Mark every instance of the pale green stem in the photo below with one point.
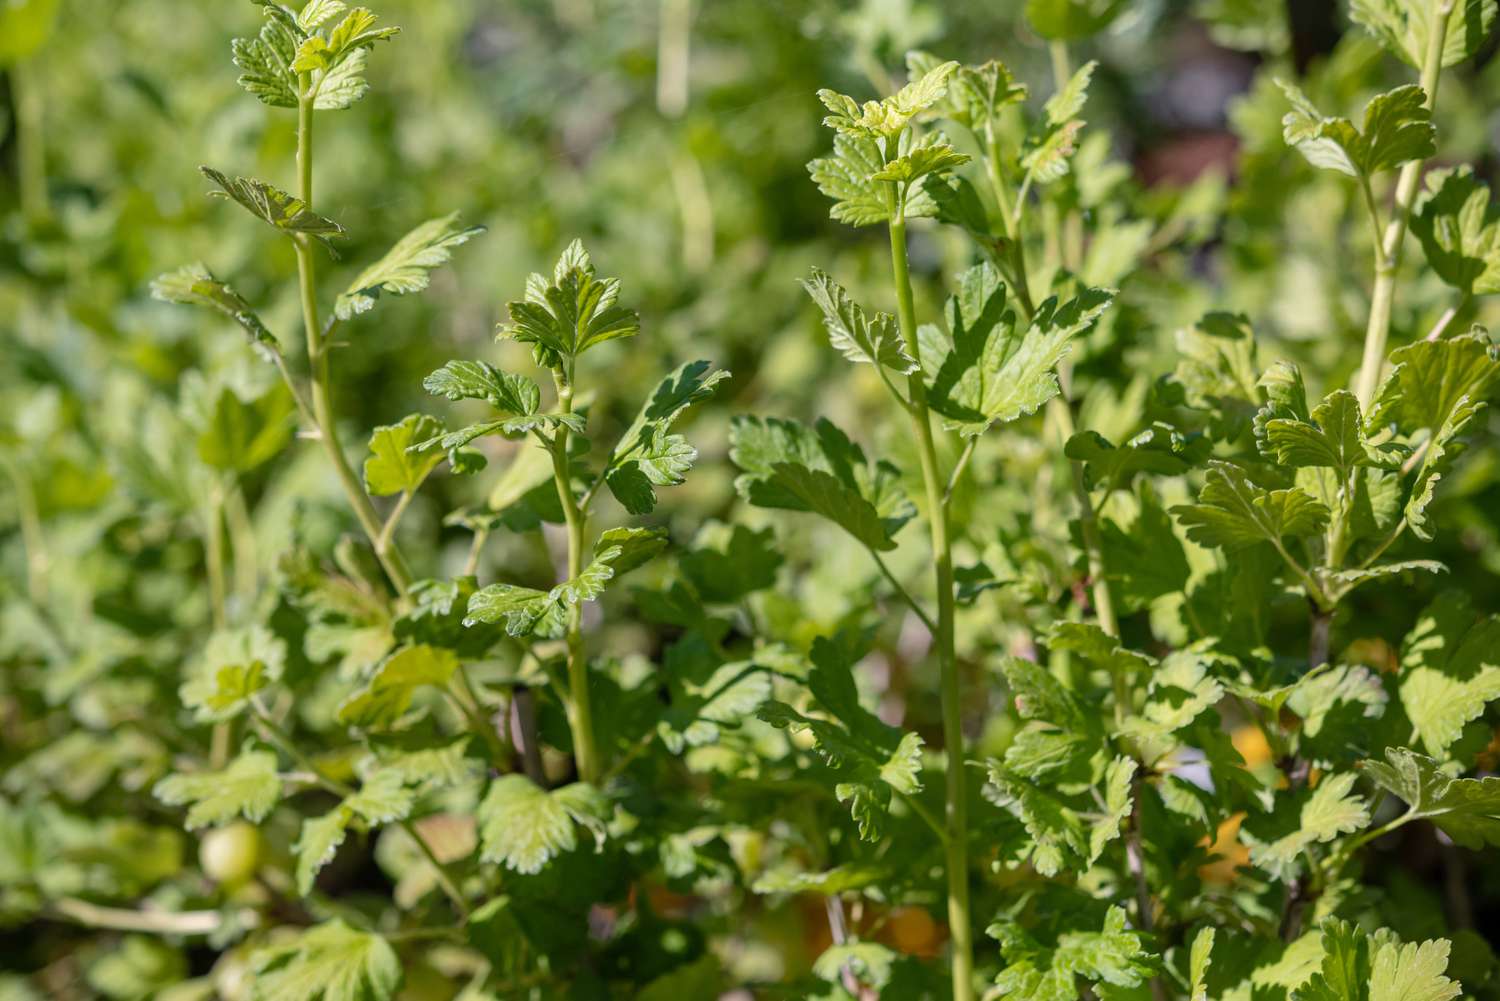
(1388, 252)
(317, 361)
(151, 922)
(213, 547)
(242, 544)
(937, 515)
(581, 711)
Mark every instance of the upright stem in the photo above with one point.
(581, 710)
(1388, 253)
(1057, 407)
(942, 558)
(317, 362)
(30, 141)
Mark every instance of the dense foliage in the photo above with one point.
(1027, 537)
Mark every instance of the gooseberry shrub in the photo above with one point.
(1103, 649)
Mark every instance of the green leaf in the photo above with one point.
(265, 63)
(727, 563)
(523, 826)
(1330, 810)
(382, 798)
(387, 696)
(1160, 450)
(195, 285)
(872, 339)
(329, 962)
(1467, 810)
(407, 267)
(869, 962)
(994, 370)
(1198, 963)
(479, 380)
(234, 665)
(1233, 514)
(242, 436)
(647, 454)
(886, 118)
(277, 209)
(524, 610)
(1114, 955)
(1397, 128)
(571, 313)
(975, 94)
(1053, 141)
(1333, 437)
(848, 177)
(248, 787)
(1438, 386)
(1404, 27)
(792, 467)
(1460, 230)
(393, 465)
(1058, 838)
(1117, 806)
(1358, 966)
(1450, 670)
(870, 759)
(930, 154)
(1069, 20)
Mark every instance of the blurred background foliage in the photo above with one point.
(672, 136)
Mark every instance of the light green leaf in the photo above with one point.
(1117, 806)
(1467, 810)
(1358, 966)
(870, 759)
(1332, 809)
(1160, 450)
(885, 118)
(1114, 955)
(523, 826)
(1450, 670)
(1058, 838)
(1459, 229)
(871, 338)
(382, 798)
(330, 962)
(1332, 437)
(1198, 963)
(479, 380)
(406, 267)
(848, 177)
(869, 962)
(277, 209)
(975, 94)
(930, 154)
(647, 455)
(1054, 139)
(1232, 513)
(235, 664)
(195, 285)
(994, 370)
(248, 787)
(1405, 26)
(393, 466)
(387, 696)
(1069, 20)
(573, 312)
(792, 467)
(265, 63)
(1397, 128)
(241, 435)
